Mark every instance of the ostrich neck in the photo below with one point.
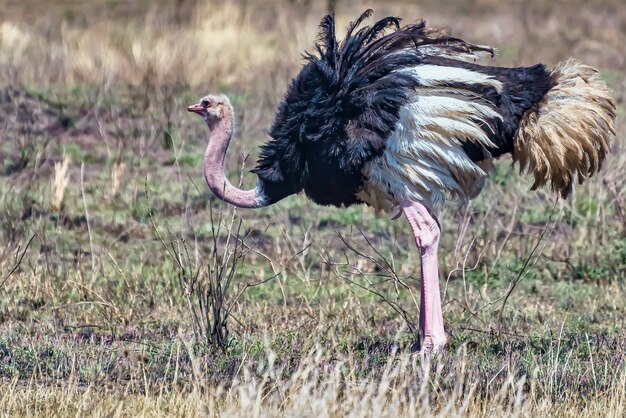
(214, 159)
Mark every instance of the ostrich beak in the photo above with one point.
(196, 108)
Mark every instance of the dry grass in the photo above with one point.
(94, 312)
(220, 45)
(59, 183)
(319, 387)
(225, 44)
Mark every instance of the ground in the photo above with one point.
(127, 289)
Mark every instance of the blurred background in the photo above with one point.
(209, 43)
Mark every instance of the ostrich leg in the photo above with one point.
(425, 227)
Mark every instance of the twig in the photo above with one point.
(82, 326)
(246, 287)
(82, 191)
(463, 268)
(492, 331)
(619, 203)
(509, 231)
(384, 265)
(521, 274)
(593, 370)
(395, 306)
(19, 261)
(84, 302)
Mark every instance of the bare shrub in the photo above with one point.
(26, 121)
(208, 277)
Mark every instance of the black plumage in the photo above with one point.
(345, 102)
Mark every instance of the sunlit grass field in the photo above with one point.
(127, 289)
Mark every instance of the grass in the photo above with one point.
(105, 219)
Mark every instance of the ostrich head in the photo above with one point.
(212, 108)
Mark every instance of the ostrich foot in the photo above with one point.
(432, 343)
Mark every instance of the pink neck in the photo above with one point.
(214, 157)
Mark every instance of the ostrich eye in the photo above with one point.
(205, 103)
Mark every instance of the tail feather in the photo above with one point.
(567, 135)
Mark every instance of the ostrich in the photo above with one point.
(402, 118)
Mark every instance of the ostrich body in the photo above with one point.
(405, 118)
